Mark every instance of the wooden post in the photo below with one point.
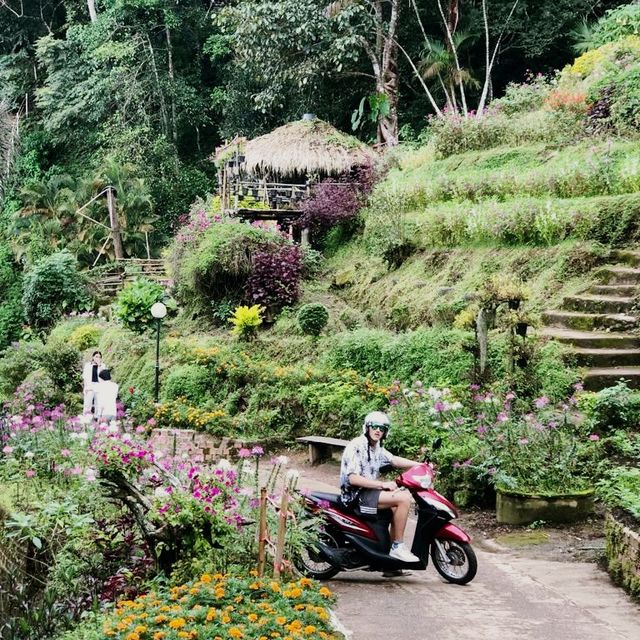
(282, 528)
(262, 532)
(115, 224)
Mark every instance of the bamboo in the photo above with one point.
(282, 529)
(262, 532)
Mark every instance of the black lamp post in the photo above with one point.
(158, 311)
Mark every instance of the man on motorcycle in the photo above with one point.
(359, 472)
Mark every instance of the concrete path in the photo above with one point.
(511, 598)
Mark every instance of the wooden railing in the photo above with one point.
(111, 278)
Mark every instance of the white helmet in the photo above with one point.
(378, 419)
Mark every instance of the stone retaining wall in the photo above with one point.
(194, 445)
(623, 555)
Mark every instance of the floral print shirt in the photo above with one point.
(365, 460)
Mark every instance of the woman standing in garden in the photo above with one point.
(90, 379)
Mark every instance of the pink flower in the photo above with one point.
(523, 441)
(244, 453)
(257, 451)
(502, 417)
(541, 402)
(30, 473)
(65, 453)
(594, 437)
(8, 450)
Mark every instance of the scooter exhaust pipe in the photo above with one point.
(332, 555)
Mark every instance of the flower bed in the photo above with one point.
(220, 607)
(513, 507)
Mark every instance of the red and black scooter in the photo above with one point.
(350, 541)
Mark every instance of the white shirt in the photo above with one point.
(362, 459)
(106, 395)
(87, 374)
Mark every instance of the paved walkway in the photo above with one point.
(511, 598)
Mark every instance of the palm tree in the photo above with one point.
(439, 63)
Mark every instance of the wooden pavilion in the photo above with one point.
(267, 178)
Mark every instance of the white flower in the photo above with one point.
(282, 460)
(224, 464)
(113, 427)
(16, 419)
(90, 474)
(456, 406)
(434, 393)
(161, 492)
(83, 435)
(29, 455)
(85, 419)
(292, 476)
(159, 454)
(126, 437)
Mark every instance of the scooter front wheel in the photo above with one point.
(313, 564)
(455, 561)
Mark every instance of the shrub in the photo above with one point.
(275, 276)
(61, 360)
(37, 388)
(521, 98)
(313, 318)
(17, 362)
(86, 336)
(620, 489)
(617, 23)
(11, 311)
(190, 381)
(219, 265)
(51, 288)
(246, 321)
(133, 304)
(615, 407)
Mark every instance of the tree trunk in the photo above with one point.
(174, 130)
(91, 4)
(115, 224)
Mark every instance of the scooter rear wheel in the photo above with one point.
(313, 564)
(455, 561)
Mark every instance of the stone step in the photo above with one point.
(628, 256)
(602, 377)
(592, 339)
(594, 357)
(589, 321)
(599, 304)
(616, 274)
(614, 290)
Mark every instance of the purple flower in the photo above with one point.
(30, 473)
(594, 437)
(257, 451)
(541, 402)
(439, 406)
(502, 417)
(523, 441)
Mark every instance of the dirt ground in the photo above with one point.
(583, 541)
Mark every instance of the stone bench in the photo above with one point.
(320, 447)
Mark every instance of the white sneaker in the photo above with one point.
(400, 552)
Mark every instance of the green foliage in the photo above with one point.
(62, 362)
(11, 313)
(86, 336)
(313, 318)
(51, 288)
(16, 363)
(133, 304)
(216, 265)
(616, 407)
(617, 23)
(620, 489)
(246, 320)
(190, 381)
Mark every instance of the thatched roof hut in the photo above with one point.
(305, 147)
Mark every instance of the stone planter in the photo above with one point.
(623, 554)
(514, 507)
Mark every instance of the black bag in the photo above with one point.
(349, 496)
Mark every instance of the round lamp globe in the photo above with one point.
(158, 310)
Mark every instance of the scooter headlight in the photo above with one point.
(425, 481)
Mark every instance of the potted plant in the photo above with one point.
(539, 462)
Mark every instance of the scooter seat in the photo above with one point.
(332, 498)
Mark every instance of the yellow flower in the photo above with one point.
(280, 620)
(254, 586)
(211, 614)
(275, 586)
(140, 628)
(159, 619)
(158, 635)
(296, 592)
(253, 617)
(309, 629)
(184, 634)
(296, 625)
(219, 593)
(226, 619)
(132, 636)
(325, 592)
(234, 632)
(305, 582)
(178, 623)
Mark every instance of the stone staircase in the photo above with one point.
(602, 325)
(112, 280)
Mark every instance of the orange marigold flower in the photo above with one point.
(280, 620)
(184, 634)
(159, 619)
(254, 586)
(275, 586)
(305, 582)
(226, 619)
(296, 592)
(309, 629)
(206, 578)
(132, 636)
(234, 632)
(159, 635)
(178, 623)
(211, 614)
(325, 592)
(296, 625)
(253, 617)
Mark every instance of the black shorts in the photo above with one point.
(368, 501)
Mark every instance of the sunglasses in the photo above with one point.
(380, 427)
